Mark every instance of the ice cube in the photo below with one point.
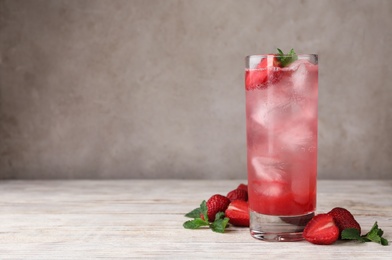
(296, 64)
(272, 189)
(271, 112)
(299, 190)
(272, 179)
(260, 114)
(269, 169)
(299, 76)
(296, 135)
(304, 77)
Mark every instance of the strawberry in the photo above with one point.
(344, 219)
(238, 213)
(321, 230)
(217, 203)
(237, 194)
(262, 74)
(243, 187)
(266, 72)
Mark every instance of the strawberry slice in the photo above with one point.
(238, 213)
(321, 230)
(262, 74)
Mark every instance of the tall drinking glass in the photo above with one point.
(281, 123)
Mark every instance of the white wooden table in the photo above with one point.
(143, 218)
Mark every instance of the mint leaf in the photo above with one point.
(286, 59)
(350, 233)
(219, 215)
(380, 232)
(197, 211)
(384, 241)
(375, 235)
(197, 221)
(194, 224)
(194, 213)
(204, 209)
(219, 225)
(353, 234)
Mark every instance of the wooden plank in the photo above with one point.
(143, 218)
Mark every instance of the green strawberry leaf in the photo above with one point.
(194, 213)
(194, 224)
(286, 59)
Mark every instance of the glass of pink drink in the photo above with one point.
(281, 120)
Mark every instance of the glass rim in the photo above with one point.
(277, 55)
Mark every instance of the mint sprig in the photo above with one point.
(219, 225)
(194, 213)
(374, 235)
(286, 59)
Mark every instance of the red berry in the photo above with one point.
(238, 213)
(321, 230)
(237, 194)
(243, 187)
(217, 203)
(263, 73)
(344, 219)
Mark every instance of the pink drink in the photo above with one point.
(281, 116)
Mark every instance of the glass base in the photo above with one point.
(278, 228)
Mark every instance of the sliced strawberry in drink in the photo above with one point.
(256, 78)
(263, 73)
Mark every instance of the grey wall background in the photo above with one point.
(154, 89)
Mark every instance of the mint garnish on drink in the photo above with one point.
(286, 59)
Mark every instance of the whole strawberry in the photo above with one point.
(237, 194)
(217, 203)
(321, 230)
(344, 219)
(243, 187)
